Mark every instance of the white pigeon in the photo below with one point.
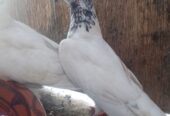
(93, 66)
(27, 56)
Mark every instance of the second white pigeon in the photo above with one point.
(27, 56)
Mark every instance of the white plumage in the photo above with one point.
(92, 65)
(27, 56)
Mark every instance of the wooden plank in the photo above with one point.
(39, 14)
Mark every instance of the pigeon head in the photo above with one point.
(82, 14)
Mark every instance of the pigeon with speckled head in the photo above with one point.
(92, 65)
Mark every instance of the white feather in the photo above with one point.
(92, 65)
(29, 57)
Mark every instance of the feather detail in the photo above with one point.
(131, 76)
(29, 57)
(144, 106)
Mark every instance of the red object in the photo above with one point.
(97, 113)
(17, 100)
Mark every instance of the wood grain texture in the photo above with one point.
(49, 17)
(138, 30)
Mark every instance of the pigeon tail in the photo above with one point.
(144, 106)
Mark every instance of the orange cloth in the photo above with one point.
(17, 100)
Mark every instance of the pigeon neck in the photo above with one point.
(83, 18)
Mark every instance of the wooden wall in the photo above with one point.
(138, 30)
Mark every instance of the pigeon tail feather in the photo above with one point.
(144, 106)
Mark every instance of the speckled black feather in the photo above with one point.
(82, 16)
